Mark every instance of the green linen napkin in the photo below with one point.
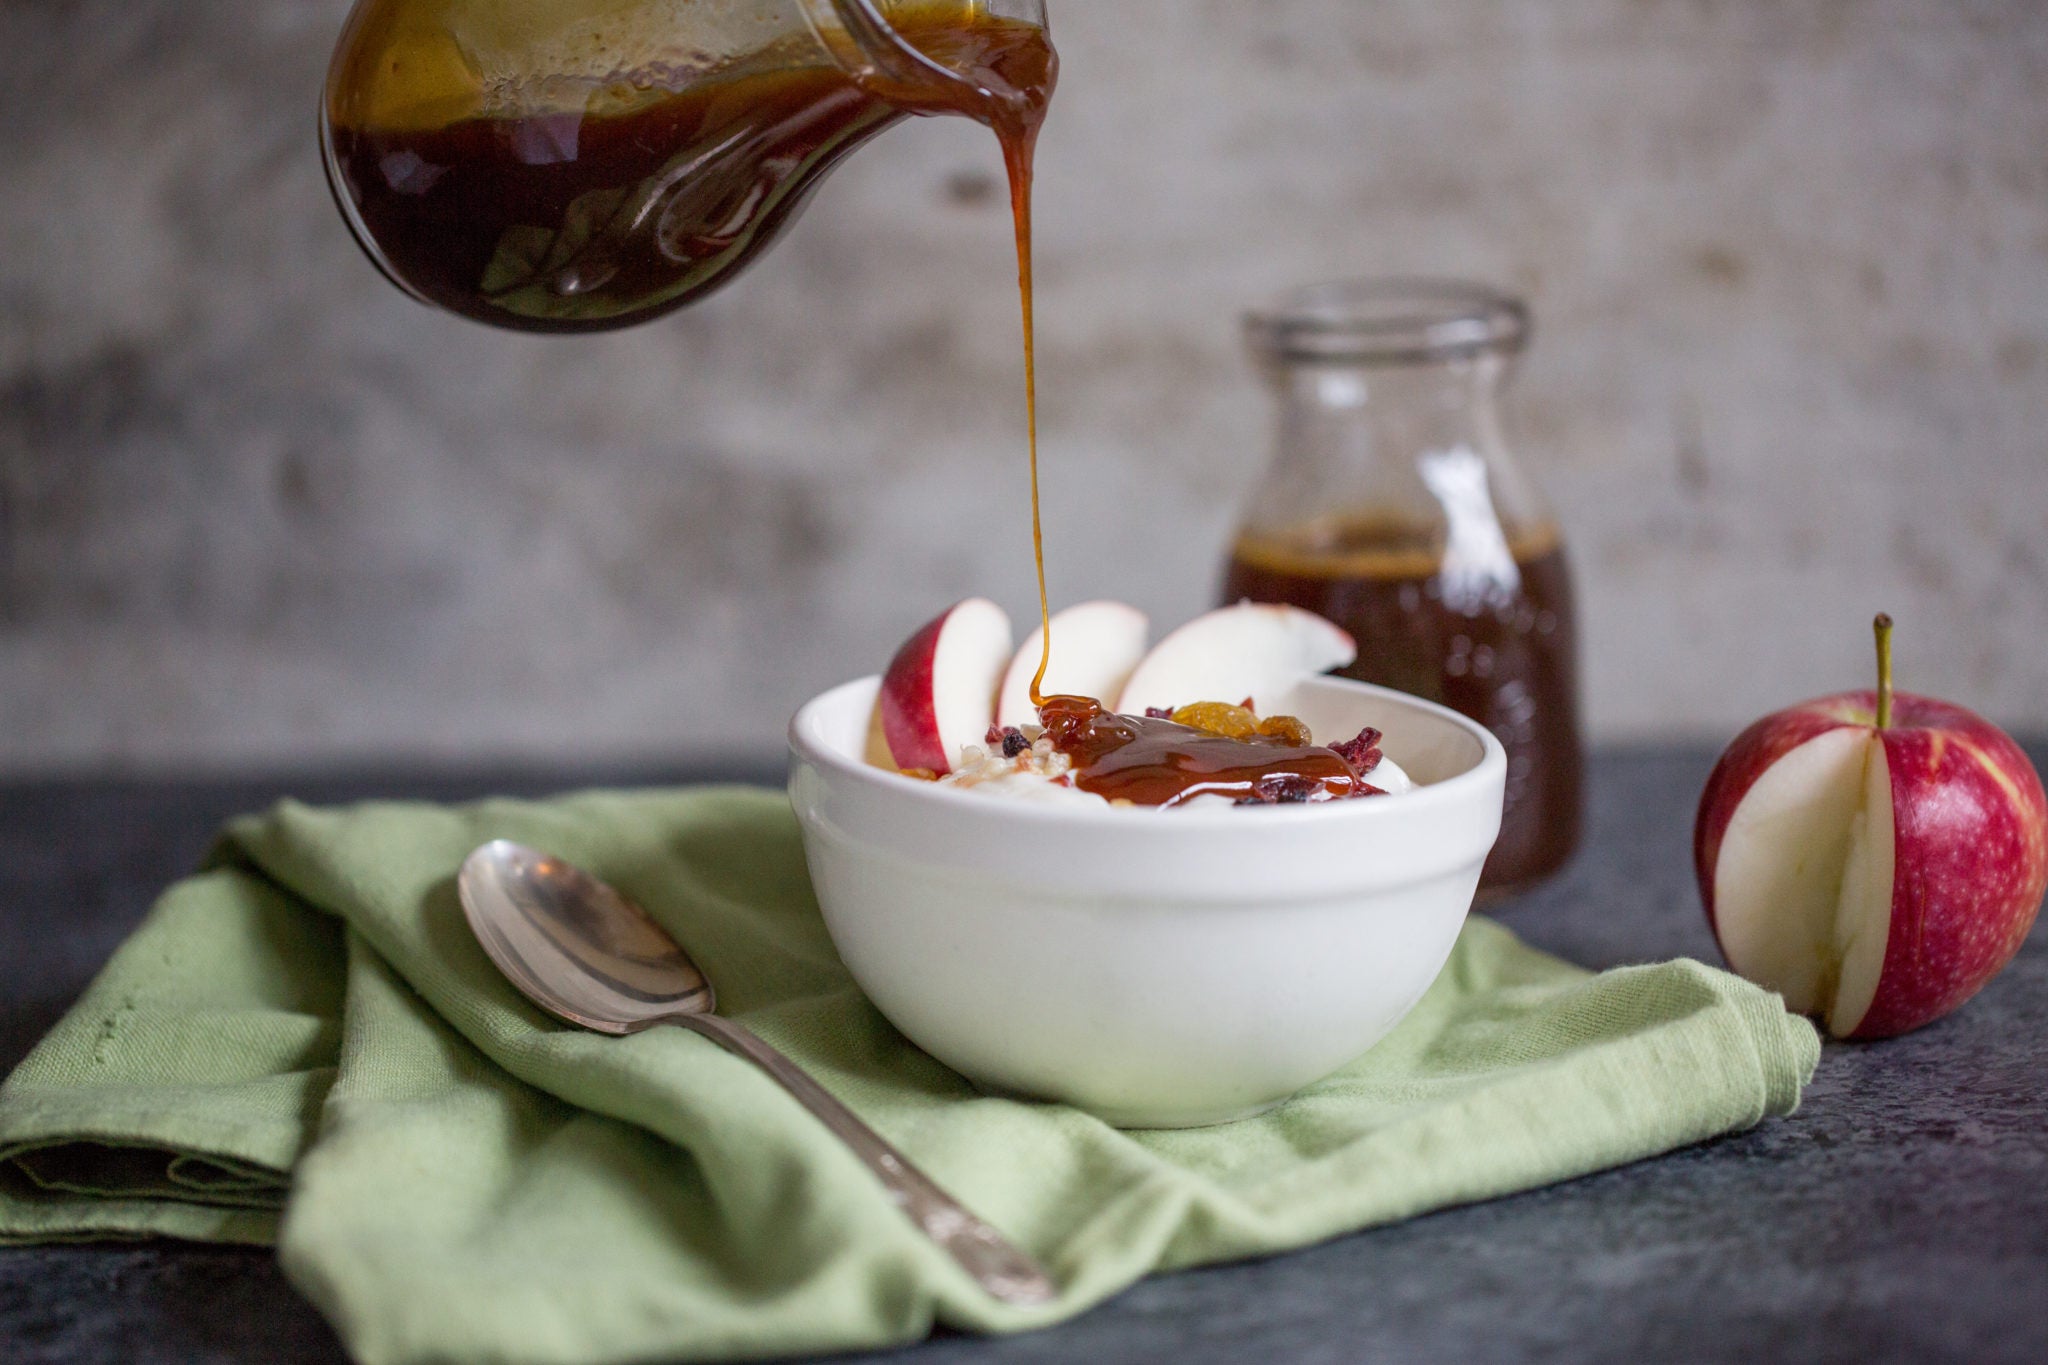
(303, 1044)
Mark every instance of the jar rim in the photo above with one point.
(1390, 321)
(865, 31)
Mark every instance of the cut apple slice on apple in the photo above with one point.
(1803, 883)
(1095, 645)
(939, 693)
(1863, 914)
(1249, 650)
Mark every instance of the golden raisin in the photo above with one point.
(1218, 718)
(1287, 730)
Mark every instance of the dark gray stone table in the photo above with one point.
(1901, 1214)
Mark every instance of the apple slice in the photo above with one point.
(1095, 645)
(1802, 886)
(1249, 650)
(939, 693)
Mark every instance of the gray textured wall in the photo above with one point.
(1789, 258)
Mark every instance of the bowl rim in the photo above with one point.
(808, 746)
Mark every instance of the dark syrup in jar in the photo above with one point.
(1503, 655)
(642, 201)
(1153, 761)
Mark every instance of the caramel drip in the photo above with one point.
(1017, 153)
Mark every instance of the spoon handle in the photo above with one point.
(1003, 1270)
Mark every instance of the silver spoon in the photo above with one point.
(586, 954)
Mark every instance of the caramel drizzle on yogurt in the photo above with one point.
(1156, 761)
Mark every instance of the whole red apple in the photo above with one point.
(1873, 857)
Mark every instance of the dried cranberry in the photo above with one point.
(1282, 789)
(1159, 713)
(1008, 738)
(1362, 753)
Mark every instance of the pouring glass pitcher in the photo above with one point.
(559, 167)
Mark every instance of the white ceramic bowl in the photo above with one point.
(1158, 968)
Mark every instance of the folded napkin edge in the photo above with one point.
(1787, 1048)
(249, 1148)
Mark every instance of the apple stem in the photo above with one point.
(1883, 627)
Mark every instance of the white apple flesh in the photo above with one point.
(1875, 876)
(939, 693)
(1250, 650)
(1095, 645)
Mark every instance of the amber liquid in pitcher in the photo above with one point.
(1502, 653)
(643, 201)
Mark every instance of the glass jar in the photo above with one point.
(1394, 508)
(577, 165)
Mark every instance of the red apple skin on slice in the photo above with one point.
(1967, 864)
(1971, 865)
(939, 692)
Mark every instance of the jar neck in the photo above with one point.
(1414, 448)
(1392, 412)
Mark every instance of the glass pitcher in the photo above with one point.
(576, 165)
(1394, 508)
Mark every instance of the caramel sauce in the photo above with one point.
(1152, 761)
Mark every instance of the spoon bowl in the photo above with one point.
(575, 946)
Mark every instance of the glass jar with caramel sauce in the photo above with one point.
(1394, 508)
(581, 165)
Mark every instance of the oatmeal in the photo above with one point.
(1019, 767)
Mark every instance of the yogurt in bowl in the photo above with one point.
(1156, 968)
